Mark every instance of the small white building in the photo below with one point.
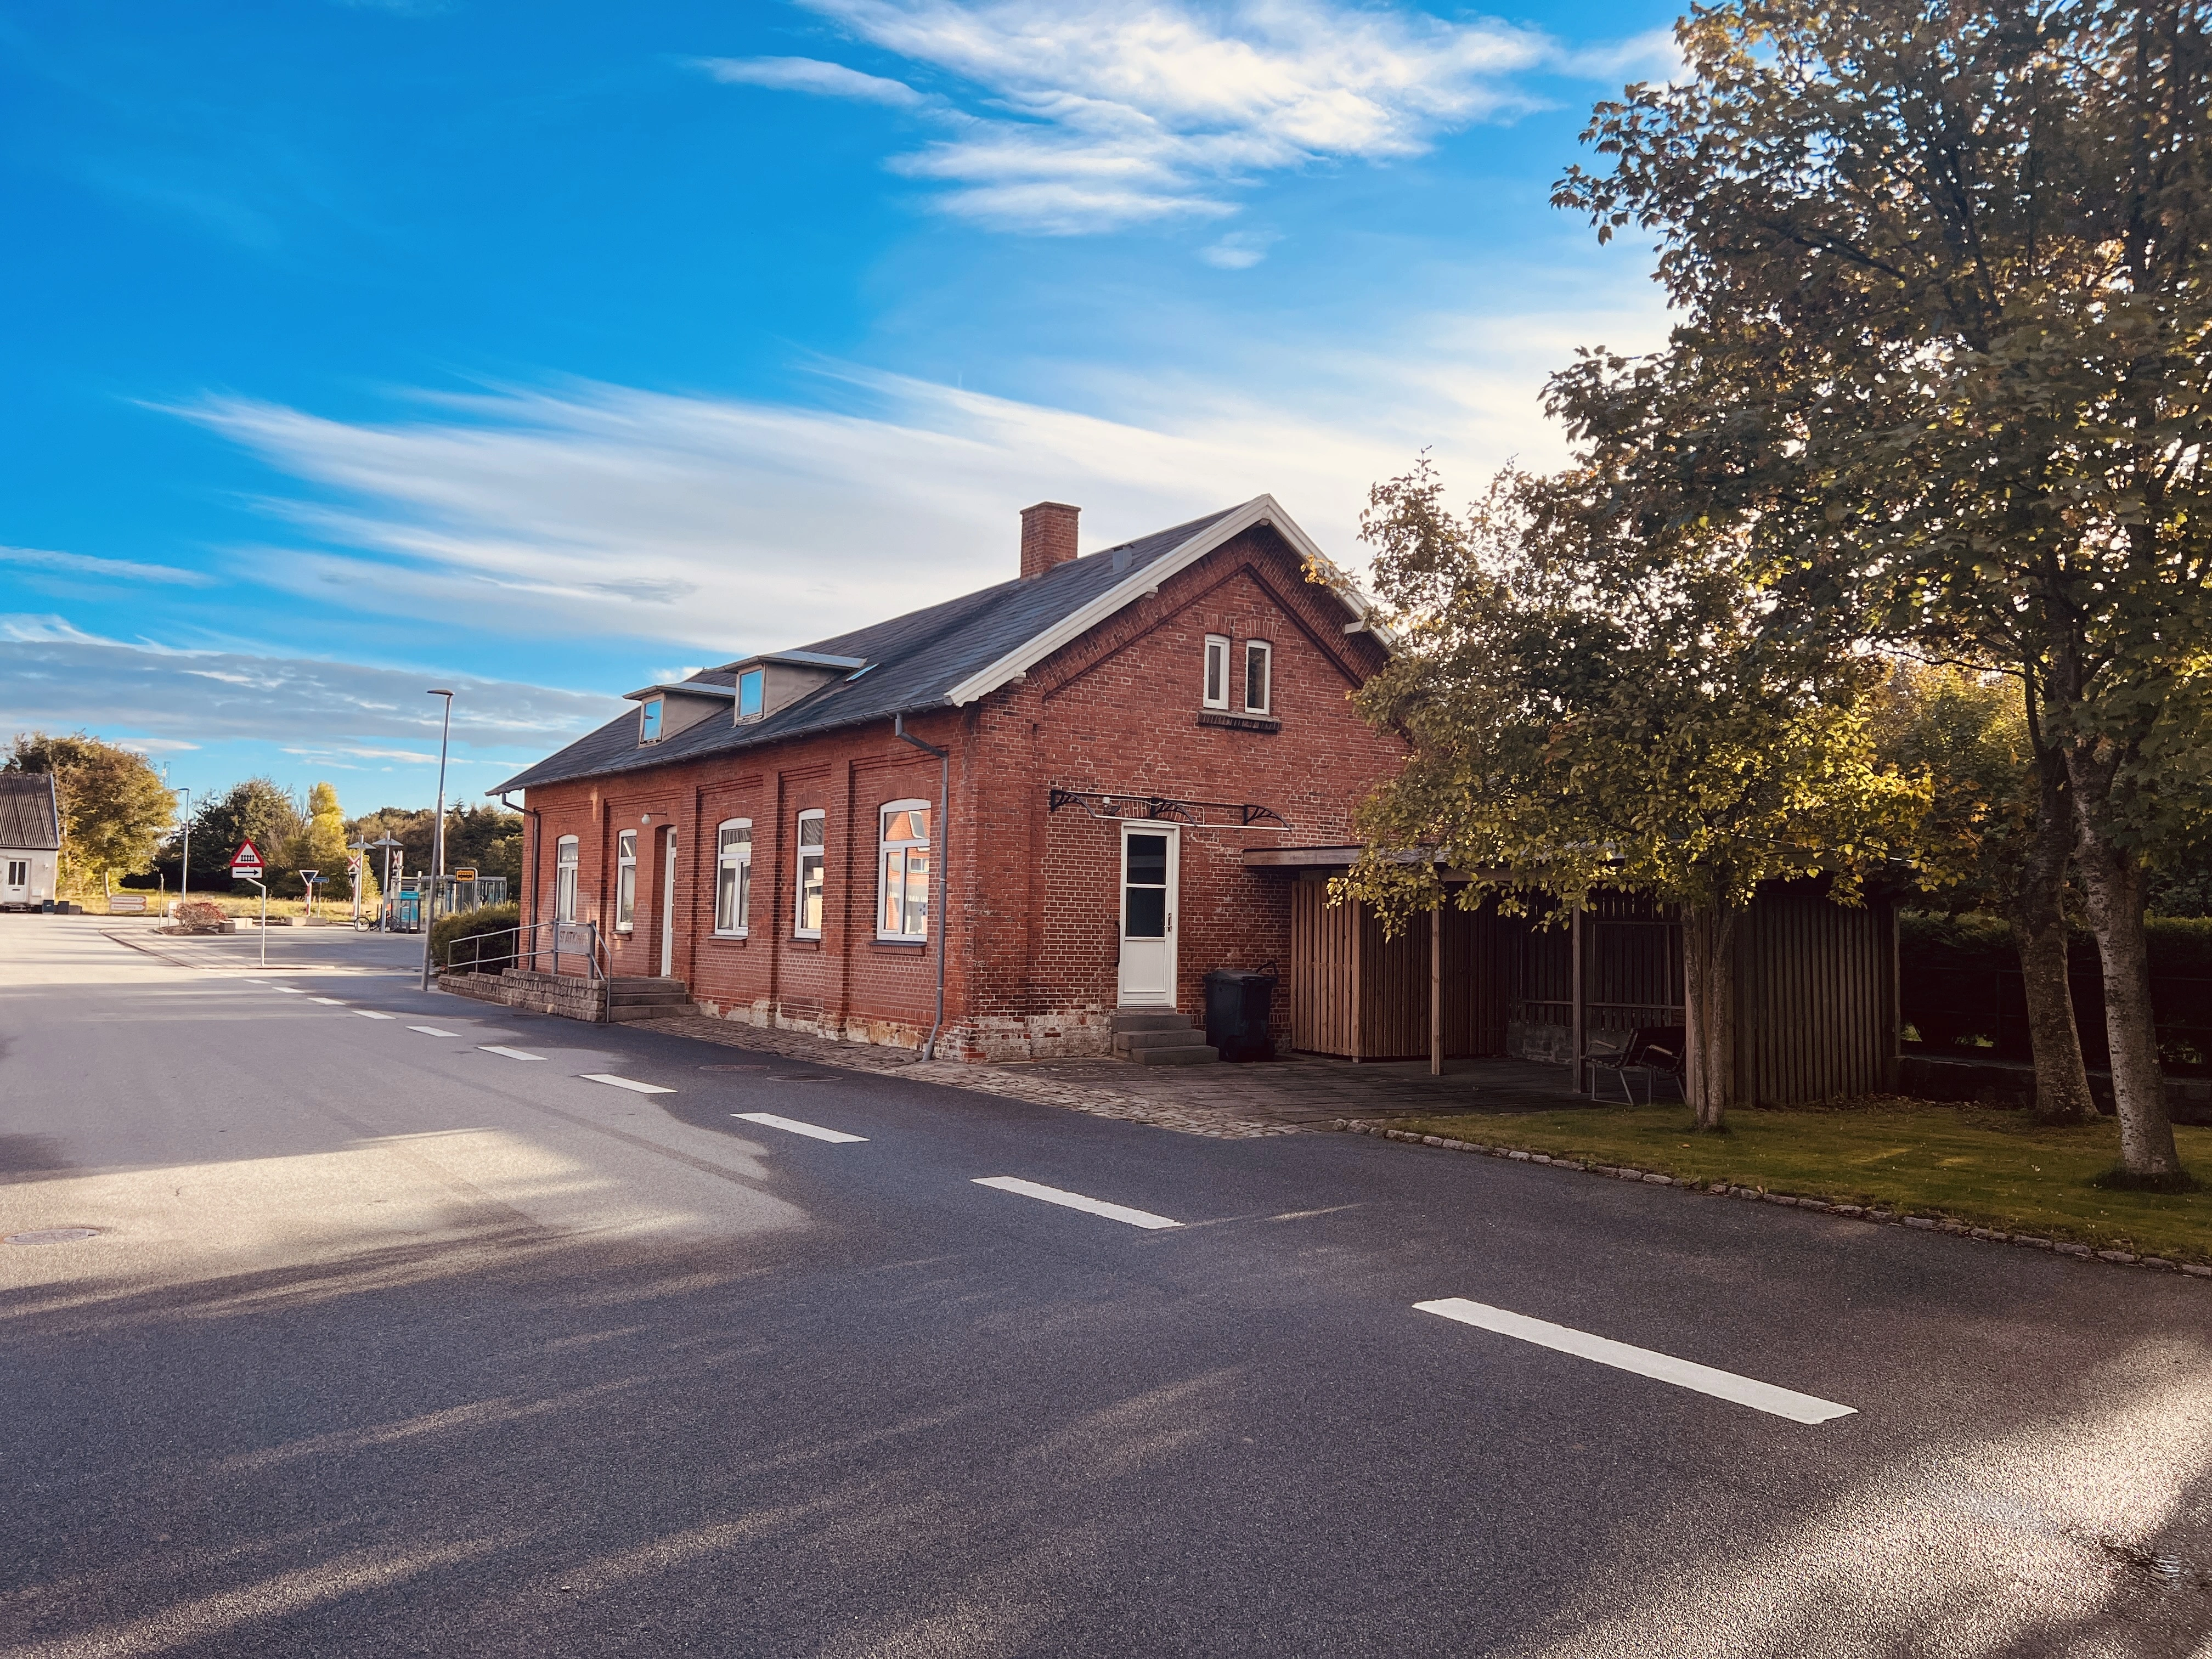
(30, 839)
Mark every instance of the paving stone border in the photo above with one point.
(1761, 1196)
(1013, 1083)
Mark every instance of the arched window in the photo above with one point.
(813, 837)
(564, 879)
(625, 881)
(733, 876)
(902, 871)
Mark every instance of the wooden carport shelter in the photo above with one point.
(1816, 981)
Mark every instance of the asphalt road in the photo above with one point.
(389, 1343)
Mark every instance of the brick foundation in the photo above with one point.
(565, 995)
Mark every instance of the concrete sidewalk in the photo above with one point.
(1278, 1097)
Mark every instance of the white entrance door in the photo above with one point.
(668, 905)
(1151, 859)
(18, 887)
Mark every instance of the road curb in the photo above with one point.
(1761, 1196)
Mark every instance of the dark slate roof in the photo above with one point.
(913, 662)
(29, 821)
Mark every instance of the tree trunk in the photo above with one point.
(2036, 908)
(1709, 1011)
(2112, 886)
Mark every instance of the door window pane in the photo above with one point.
(1144, 899)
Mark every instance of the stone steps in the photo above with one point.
(1160, 1036)
(630, 998)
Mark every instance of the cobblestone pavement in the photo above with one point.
(1225, 1101)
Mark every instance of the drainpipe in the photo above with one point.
(944, 782)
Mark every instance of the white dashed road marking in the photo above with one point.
(630, 1084)
(1076, 1202)
(433, 1030)
(371, 1013)
(328, 1002)
(1683, 1373)
(288, 990)
(793, 1126)
(512, 1053)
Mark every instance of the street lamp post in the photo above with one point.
(438, 842)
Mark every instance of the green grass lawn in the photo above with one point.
(1986, 1168)
(339, 910)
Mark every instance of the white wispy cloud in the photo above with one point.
(1240, 250)
(63, 678)
(719, 525)
(1075, 117)
(111, 570)
(811, 75)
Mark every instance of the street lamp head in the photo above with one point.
(435, 692)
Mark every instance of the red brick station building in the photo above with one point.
(1066, 771)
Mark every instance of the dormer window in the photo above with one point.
(749, 694)
(648, 720)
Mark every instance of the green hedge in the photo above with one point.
(471, 924)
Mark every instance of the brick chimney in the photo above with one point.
(1047, 537)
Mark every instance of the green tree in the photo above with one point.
(258, 809)
(114, 806)
(1586, 709)
(1944, 283)
(1970, 735)
(488, 838)
(320, 845)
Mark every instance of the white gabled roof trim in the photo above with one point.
(1261, 509)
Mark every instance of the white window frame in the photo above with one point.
(626, 881)
(1260, 654)
(566, 858)
(734, 859)
(758, 677)
(904, 850)
(1213, 682)
(19, 872)
(817, 854)
(652, 720)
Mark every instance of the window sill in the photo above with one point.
(729, 939)
(901, 942)
(807, 941)
(1239, 722)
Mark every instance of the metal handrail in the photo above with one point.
(594, 972)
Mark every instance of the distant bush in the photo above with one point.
(198, 916)
(492, 955)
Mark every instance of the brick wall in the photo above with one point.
(1032, 949)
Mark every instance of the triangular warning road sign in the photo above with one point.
(248, 857)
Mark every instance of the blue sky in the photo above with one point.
(540, 350)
